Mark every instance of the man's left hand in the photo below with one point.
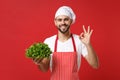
(86, 35)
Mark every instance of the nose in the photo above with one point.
(63, 22)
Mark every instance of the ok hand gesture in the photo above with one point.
(85, 36)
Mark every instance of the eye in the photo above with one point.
(66, 19)
(59, 20)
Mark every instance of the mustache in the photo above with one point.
(63, 25)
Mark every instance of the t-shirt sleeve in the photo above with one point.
(47, 41)
(84, 50)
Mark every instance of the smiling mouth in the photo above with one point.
(63, 27)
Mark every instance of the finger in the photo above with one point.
(35, 59)
(81, 35)
(88, 29)
(39, 60)
(91, 32)
(84, 29)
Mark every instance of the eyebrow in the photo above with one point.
(63, 18)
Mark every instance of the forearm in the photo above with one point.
(92, 57)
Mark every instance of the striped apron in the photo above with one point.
(64, 64)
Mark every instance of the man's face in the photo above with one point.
(63, 23)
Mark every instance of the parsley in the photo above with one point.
(38, 50)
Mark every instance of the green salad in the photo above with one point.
(38, 50)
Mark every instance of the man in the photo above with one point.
(67, 48)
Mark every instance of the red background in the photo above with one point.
(23, 22)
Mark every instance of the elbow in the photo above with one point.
(95, 65)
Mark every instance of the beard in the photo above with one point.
(63, 30)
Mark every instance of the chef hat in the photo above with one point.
(65, 10)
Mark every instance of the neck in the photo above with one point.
(64, 37)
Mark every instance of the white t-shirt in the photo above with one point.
(68, 47)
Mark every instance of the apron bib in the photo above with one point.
(64, 64)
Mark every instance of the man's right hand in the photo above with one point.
(43, 63)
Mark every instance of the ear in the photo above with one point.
(71, 21)
(55, 21)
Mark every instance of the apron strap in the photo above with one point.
(56, 41)
(73, 41)
(55, 47)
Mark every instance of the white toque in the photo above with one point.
(65, 10)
